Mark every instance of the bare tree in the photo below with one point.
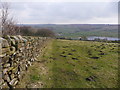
(7, 22)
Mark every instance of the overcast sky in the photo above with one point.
(64, 12)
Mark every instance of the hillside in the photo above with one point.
(74, 64)
(77, 30)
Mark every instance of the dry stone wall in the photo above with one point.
(16, 55)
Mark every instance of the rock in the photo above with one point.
(4, 85)
(101, 51)
(63, 55)
(15, 83)
(65, 46)
(1, 46)
(5, 71)
(89, 54)
(91, 78)
(29, 63)
(10, 68)
(20, 45)
(69, 53)
(6, 77)
(12, 82)
(32, 59)
(73, 50)
(93, 67)
(22, 39)
(6, 65)
(12, 76)
(63, 52)
(15, 70)
(12, 42)
(75, 58)
(5, 59)
(1, 82)
(6, 51)
(94, 57)
(4, 42)
(2, 55)
(12, 50)
(7, 37)
(15, 38)
(102, 54)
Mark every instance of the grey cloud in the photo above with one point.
(64, 12)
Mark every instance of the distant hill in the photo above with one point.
(77, 30)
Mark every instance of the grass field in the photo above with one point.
(74, 64)
(92, 33)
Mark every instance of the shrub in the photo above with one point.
(45, 33)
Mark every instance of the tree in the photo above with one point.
(8, 24)
(45, 33)
(27, 31)
(84, 38)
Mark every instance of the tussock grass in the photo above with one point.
(78, 64)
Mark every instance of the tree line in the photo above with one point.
(30, 31)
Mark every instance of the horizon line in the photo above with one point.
(69, 23)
